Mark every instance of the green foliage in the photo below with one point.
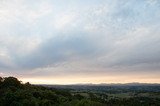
(11, 82)
(14, 93)
(78, 96)
(88, 103)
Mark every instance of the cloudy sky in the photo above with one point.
(80, 41)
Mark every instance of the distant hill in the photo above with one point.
(108, 87)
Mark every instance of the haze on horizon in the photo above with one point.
(80, 41)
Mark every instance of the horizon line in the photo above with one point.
(136, 83)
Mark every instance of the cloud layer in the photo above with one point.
(54, 38)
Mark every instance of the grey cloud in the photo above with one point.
(141, 49)
(58, 50)
(96, 45)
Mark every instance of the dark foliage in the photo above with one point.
(14, 93)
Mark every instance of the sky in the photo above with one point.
(80, 41)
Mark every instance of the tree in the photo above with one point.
(78, 96)
(1, 79)
(11, 82)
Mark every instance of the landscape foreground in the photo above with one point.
(14, 93)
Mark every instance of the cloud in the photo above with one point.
(57, 50)
(139, 46)
(91, 37)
